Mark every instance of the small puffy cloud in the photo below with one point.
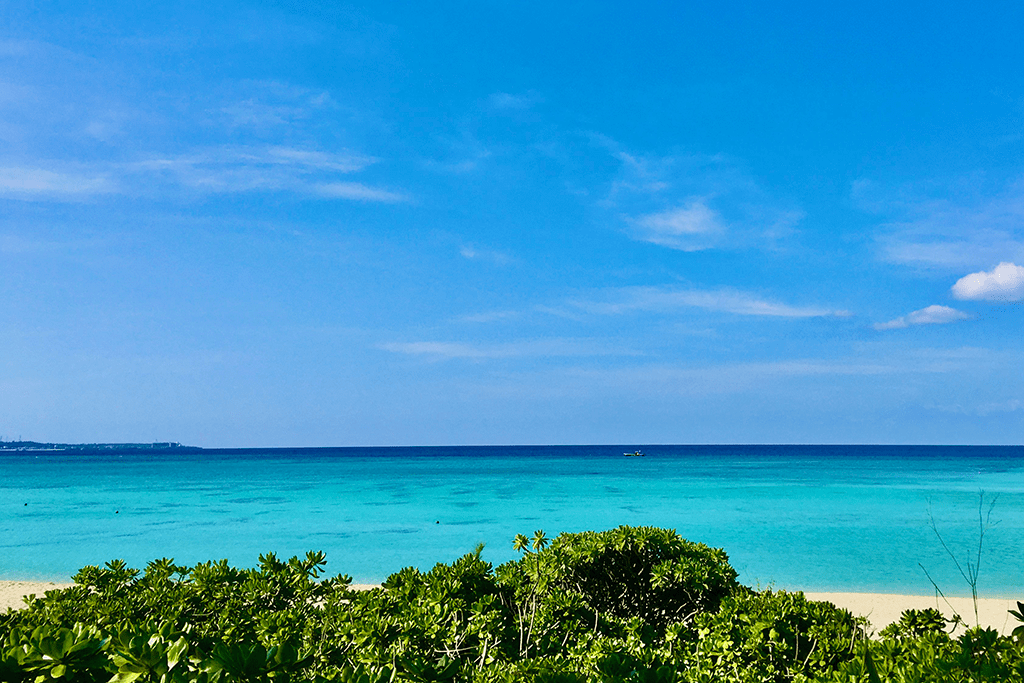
(936, 315)
(685, 227)
(1005, 282)
(932, 315)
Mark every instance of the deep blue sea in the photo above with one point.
(851, 518)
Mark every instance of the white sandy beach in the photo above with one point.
(883, 609)
(879, 608)
(12, 593)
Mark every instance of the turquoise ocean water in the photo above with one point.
(852, 518)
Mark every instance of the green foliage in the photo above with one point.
(630, 605)
(771, 636)
(594, 582)
(75, 655)
(915, 623)
(1018, 614)
(977, 655)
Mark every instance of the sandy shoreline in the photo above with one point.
(880, 609)
(12, 593)
(883, 609)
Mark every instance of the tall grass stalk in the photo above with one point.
(970, 574)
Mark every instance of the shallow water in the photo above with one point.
(853, 518)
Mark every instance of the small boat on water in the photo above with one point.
(634, 454)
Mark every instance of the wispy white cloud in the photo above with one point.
(13, 244)
(359, 192)
(984, 409)
(949, 234)
(71, 134)
(57, 104)
(689, 227)
(449, 350)
(475, 253)
(312, 159)
(1010, 406)
(232, 169)
(275, 163)
(459, 154)
(220, 170)
(709, 379)
(932, 315)
(504, 100)
(34, 183)
(693, 202)
(1005, 282)
(662, 299)
(490, 316)
(262, 105)
(442, 350)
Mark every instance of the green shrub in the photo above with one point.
(630, 605)
(915, 623)
(771, 636)
(644, 572)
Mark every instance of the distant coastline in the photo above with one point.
(36, 446)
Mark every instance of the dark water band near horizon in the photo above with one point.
(814, 518)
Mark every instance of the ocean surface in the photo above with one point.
(815, 518)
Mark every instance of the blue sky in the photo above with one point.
(490, 223)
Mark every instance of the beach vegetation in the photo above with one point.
(628, 605)
(971, 568)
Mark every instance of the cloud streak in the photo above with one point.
(709, 379)
(358, 192)
(35, 183)
(932, 315)
(506, 101)
(245, 168)
(665, 299)
(947, 235)
(475, 253)
(444, 350)
(220, 170)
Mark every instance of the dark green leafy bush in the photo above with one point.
(643, 572)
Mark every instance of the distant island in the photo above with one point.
(92, 447)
